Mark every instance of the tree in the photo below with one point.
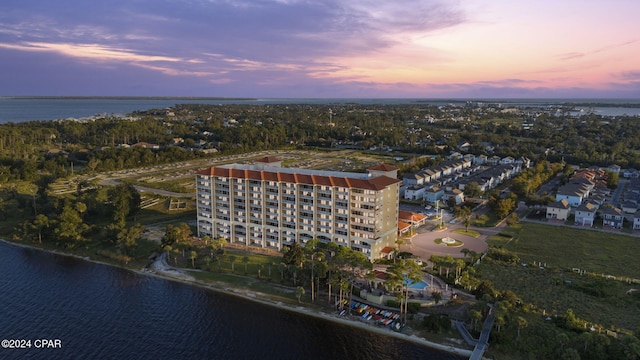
(500, 322)
(245, 261)
(232, 260)
(472, 190)
(40, 223)
(521, 323)
(294, 259)
(193, 255)
(404, 273)
(314, 253)
(467, 222)
(436, 296)
(125, 201)
(70, 227)
(299, 292)
(127, 238)
(259, 267)
(476, 317)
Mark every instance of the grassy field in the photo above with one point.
(553, 284)
(567, 248)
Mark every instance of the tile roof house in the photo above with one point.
(558, 210)
(575, 191)
(612, 218)
(586, 214)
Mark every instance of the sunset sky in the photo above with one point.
(320, 49)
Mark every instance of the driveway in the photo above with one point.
(423, 246)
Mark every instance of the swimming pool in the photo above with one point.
(421, 285)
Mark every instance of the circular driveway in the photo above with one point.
(423, 246)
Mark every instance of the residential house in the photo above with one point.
(558, 210)
(434, 194)
(614, 168)
(612, 218)
(575, 191)
(631, 173)
(146, 145)
(414, 192)
(586, 214)
(636, 221)
(507, 160)
(457, 194)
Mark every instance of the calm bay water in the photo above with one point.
(102, 312)
(19, 109)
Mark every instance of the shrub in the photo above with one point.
(436, 323)
(413, 307)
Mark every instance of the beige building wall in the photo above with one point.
(271, 207)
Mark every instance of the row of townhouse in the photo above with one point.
(441, 189)
(585, 193)
(585, 214)
(586, 183)
(492, 160)
(266, 205)
(630, 201)
(613, 218)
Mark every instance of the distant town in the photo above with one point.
(479, 225)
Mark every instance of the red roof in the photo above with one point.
(380, 275)
(386, 250)
(377, 183)
(410, 216)
(403, 225)
(383, 167)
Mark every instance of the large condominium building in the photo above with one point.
(268, 206)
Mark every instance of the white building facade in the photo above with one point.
(268, 206)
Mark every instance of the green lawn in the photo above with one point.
(471, 233)
(556, 287)
(568, 248)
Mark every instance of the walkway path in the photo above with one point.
(483, 343)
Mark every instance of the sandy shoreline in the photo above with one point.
(179, 276)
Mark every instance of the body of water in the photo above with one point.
(94, 311)
(20, 109)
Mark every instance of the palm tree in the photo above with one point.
(259, 267)
(245, 261)
(475, 316)
(283, 267)
(405, 272)
(522, 323)
(299, 292)
(176, 252)
(232, 260)
(271, 262)
(169, 250)
(193, 255)
(40, 222)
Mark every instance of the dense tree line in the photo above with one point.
(419, 128)
(97, 217)
(520, 330)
